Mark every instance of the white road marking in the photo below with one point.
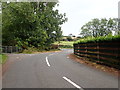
(67, 57)
(47, 61)
(71, 82)
(17, 57)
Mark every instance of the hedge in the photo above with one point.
(99, 39)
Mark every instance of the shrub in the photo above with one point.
(98, 39)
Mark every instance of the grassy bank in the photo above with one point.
(3, 58)
(65, 44)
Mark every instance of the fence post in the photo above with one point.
(86, 51)
(79, 49)
(11, 49)
(98, 54)
(74, 48)
(6, 49)
(16, 49)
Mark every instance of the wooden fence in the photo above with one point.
(103, 52)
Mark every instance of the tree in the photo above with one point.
(69, 38)
(99, 27)
(31, 24)
(0, 31)
(115, 25)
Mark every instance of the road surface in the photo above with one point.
(54, 70)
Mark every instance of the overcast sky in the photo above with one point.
(80, 12)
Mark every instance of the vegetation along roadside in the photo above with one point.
(3, 58)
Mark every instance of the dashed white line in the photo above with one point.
(71, 82)
(47, 61)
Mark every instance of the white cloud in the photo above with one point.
(81, 11)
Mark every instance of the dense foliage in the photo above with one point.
(98, 39)
(100, 27)
(31, 24)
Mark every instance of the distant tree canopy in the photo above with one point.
(31, 24)
(100, 27)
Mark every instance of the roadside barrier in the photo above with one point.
(11, 49)
(107, 53)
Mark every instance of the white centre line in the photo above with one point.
(71, 82)
(47, 61)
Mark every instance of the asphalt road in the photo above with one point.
(54, 70)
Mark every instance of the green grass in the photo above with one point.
(65, 43)
(3, 58)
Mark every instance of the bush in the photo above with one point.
(30, 50)
(66, 46)
(98, 39)
(69, 39)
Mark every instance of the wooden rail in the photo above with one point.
(105, 52)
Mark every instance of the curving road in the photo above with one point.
(54, 70)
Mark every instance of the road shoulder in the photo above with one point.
(88, 63)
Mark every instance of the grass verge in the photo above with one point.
(3, 58)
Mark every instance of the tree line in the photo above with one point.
(31, 24)
(100, 27)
